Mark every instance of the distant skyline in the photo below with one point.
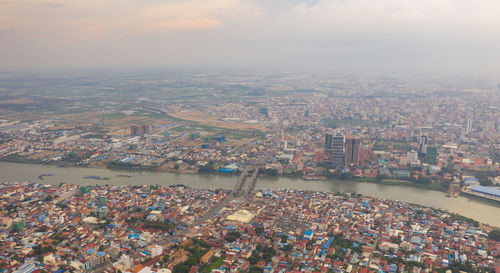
(425, 35)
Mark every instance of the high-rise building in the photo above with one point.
(134, 130)
(140, 130)
(468, 127)
(264, 111)
(412, 156)
(431, 155)
(328, 146)
(338, 151)
(422, 145)
(352, 145)
(328, 142)
(146, 129)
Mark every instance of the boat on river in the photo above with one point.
(44, 174)
(96, 177)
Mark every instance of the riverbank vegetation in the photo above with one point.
(212, 169)
(20, 159)
(207, 169)
(117, 165)
(495, 235)
(420, 182)
(485, 177)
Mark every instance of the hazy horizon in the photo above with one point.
(452, 36)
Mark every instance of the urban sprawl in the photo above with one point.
(436, 133)
(179, 229)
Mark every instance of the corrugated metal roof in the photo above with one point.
(486, 190)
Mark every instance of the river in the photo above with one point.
(481, 210)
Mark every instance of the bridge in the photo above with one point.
(210, 214)
(241, 179)
(251, 182)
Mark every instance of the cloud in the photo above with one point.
(107, 18)
(349, 15)
(253, 33)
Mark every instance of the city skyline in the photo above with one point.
(252, 136)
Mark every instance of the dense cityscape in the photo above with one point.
(249, 136)
(158, 229)
(435, 134)
(433, 139)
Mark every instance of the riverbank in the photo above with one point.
(404, 183)
(385, 181)
(138, 169)
(473, 207)
(127, 167)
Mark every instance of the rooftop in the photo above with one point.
(486, 190)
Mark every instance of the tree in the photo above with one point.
(259, 230)
(208, 168)
(339, 175)
(457, 267)
(255, 269)
(268, 254)
(423, 180)
(485, 181)
(166, 259)
(445, 184)
(254, 258)
(494, 235)
(232, 236)
(310, 243)
(283, 161)
(484, 177)
(287, 248)
(181, 268)
(270, 172)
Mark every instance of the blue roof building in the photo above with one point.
(308, 234)
(486, 190)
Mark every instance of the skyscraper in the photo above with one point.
(135, 130)
(139, 130)
(146, 128)
(422, 145)
(338, 151)
(431, 155)
(328, 142)
(468, 127)
(352, 151)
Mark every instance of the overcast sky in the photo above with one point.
(449, 35)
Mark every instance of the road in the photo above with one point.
(176, 236)
(251, 182)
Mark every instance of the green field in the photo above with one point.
(190, 126)
(390, 145)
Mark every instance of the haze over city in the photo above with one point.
(451, 36)
(265, 136)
